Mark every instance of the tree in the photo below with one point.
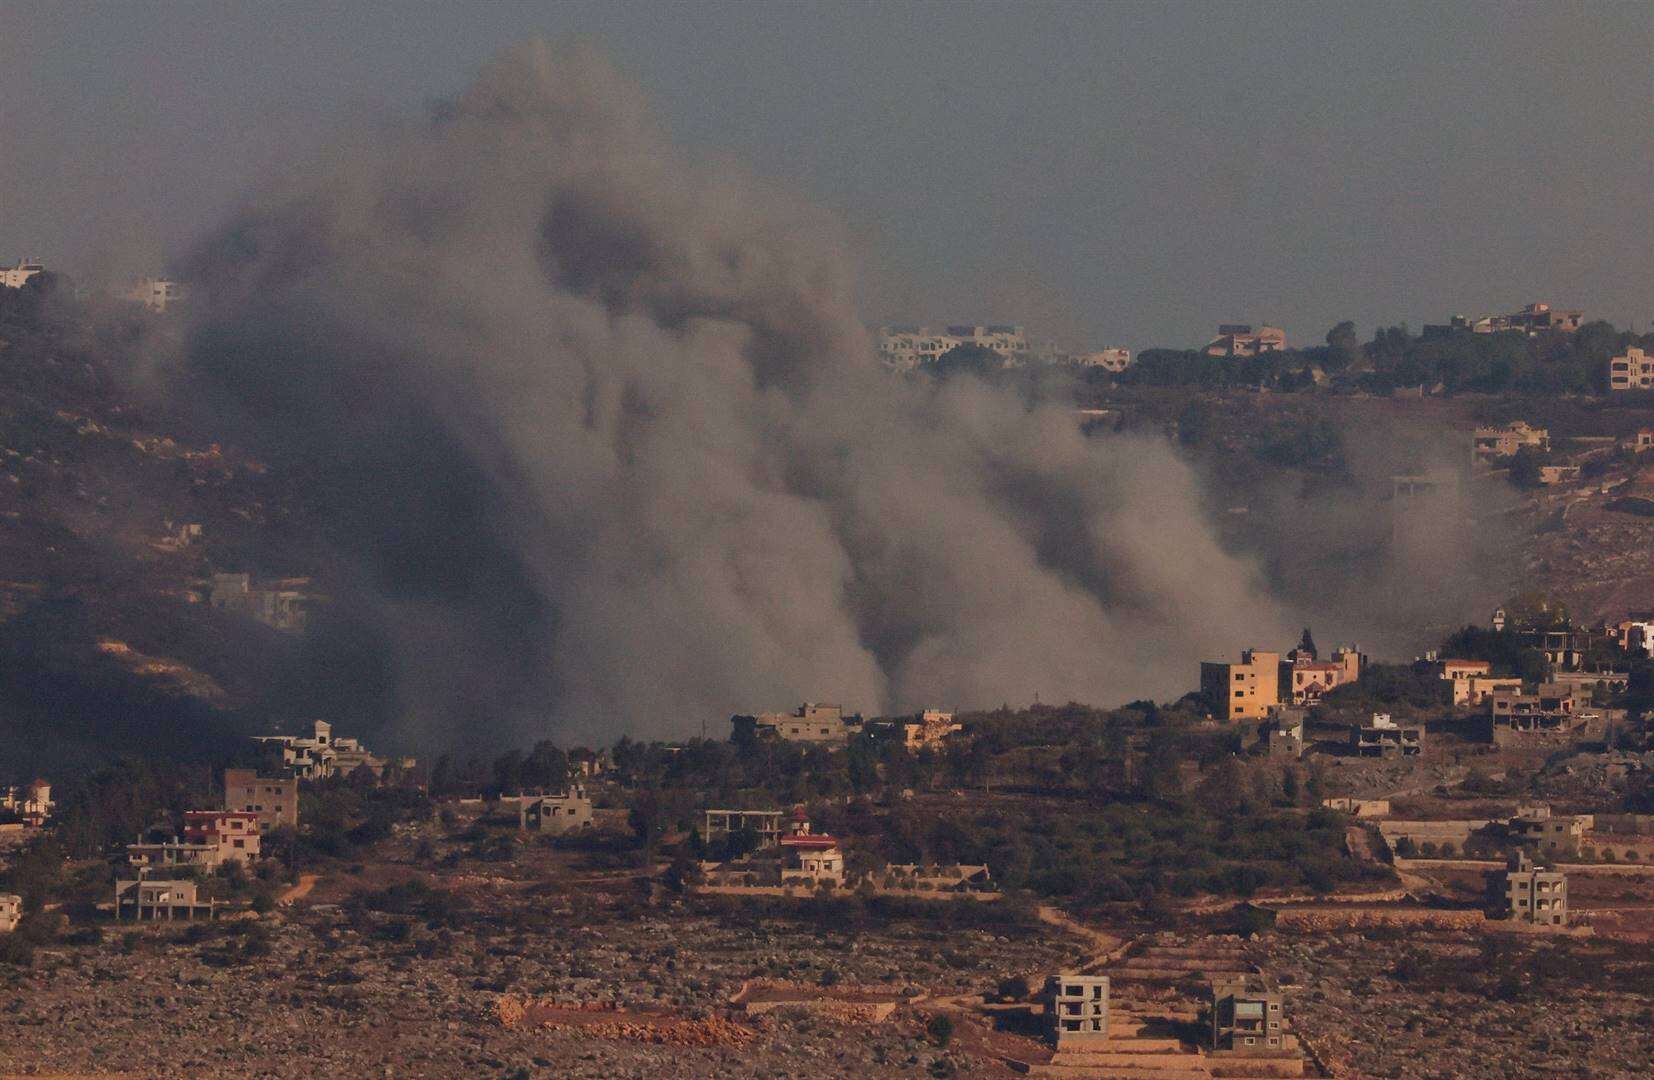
(1343, 347)
(966, 359)
(939, 1029)
(1306, 645)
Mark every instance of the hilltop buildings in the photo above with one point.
(1239, 339)
(14, 276)
(810, 723)
(903, 348)
(555, 814)
(1115, 360)
(1633, 371)
(279, 609)
(1250, 689)
(320, 754)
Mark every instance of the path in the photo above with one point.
(299, 891)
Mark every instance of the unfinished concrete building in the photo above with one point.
(1076, 1009)
(11, 912)
(1550, 834)
(321, 754)
(766, 824)
(809, 723)
(1246, 1014)
(555, 814)
(274, 800)
(1526, 893)
(1284, 734)
(1383, 737)
(1549, 713)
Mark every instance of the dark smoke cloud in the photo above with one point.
(597, 444)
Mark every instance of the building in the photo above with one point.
(1550, 711)
(32, 802)
(1526, 893)
(1243, 691)
(903, 348)
(765, 824)
(816, 857)
(1304, 680)
(1539, 317)
(1076, 1009)
(1113, 359)
(273, 800)
(1239, 339)
(927, 731)
(321, 754)
(1246, 1013)
(1550, 834)
(14, 276)
(1383, 737)
(1284, 734)
(555, 813)
(587, 763)
(152, 899)
(1587, 683)
(1635, 633)
(233, 833)
(156, 294)
(1490, 444)
(1479, 689)
(11, 912)
(810, 723)
(1558, 474)
(277, 608)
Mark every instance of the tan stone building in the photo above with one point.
(1529, 894)
(809, 723)
(555, 814)
(1247, 1014)
(11, 912)
(1244, 690)
(159, 899)
(275, 800)
(1303, 681)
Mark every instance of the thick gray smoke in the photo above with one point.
(598, 444)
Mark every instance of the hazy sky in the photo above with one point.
(1107, 173)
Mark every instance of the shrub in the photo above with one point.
(939, 1029)
(1014, 989)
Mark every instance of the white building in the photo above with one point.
(1111, 359)
(903, 348)
(1633, 371)
(156, 294)
(15, 276)
(321, 754)
(555, 813)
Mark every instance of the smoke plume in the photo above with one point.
(598, 445)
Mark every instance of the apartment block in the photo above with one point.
(1244, 690)
(1528, 894)
(1633, 371)
(1076, 1009)
(274, 800)
(1246, 1014)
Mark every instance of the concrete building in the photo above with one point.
(766, 824)
(1244, 690)
(1489, 444)
(1586, 683)
(14, 276)
(555, 814)
(1538, 317)
(160, 899)
(1284, 733)
(156, 294)
(278, 608)
(929, 730)
(1550, 834)
(1383, 737)
(211, 838)
(1115, 360)
(1558, 474)
(273, 800)
(816, 857)
(1239, 339)
(809, 723)
(32, 802)
(1305, 680)
(1528, 894)
(11, 912)
(1550, 711)
(1076, 1009)
(903, 348)
(1246, 1014)
(1480, 689)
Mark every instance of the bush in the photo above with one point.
(939, 1029)
(1014, 989)
(19, 952)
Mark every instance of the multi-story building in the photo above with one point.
(273, 800)
(765, 824)
(817, 859)
(1528, 894)
(1548, 833)
(321, 754)
(555, 813)
(1549, 711)
(1538, 317)
(277, 608)
(1246, 1014)
(11, 912)
(1492, 443)
(1383, 737)
(1304, 680)
(810, 723)
(1244, 690)
(904, 348)
(929, 730)
(1284, 736)
(1076, 1009)
(211, 838)
(15, 276)
(156, 294)
(148, 899)
(32, 802)
(1479, 689)
(1239, 339)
